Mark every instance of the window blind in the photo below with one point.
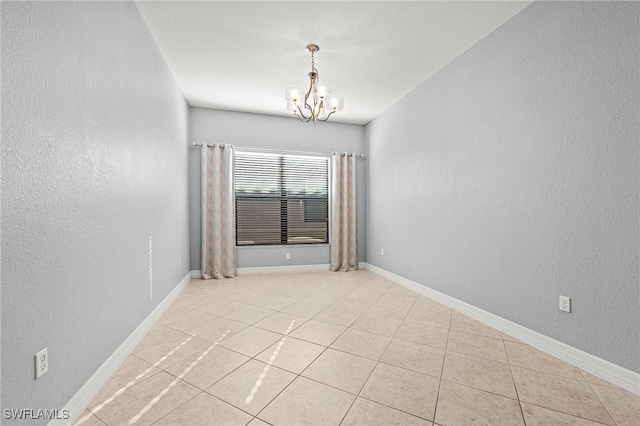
(281, 199)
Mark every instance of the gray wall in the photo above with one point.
(512, 177)
(94, 134)
(280, 133)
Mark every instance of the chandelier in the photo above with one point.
(316, 104)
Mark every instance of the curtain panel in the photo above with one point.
(218, 212)
(344, 252)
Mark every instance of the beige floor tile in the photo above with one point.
(250, 341)
(188, 321)
(523, 355)
(405, 390)
(173, 311)
(341, 370)
(569, 396)
(431, 305)
(133, 370)
(274, 302)
(281, 322)
(339, 316)
(385, 310)
(88, 419)
(252, 386)
(365, 412)
(250, 314)
(305, 402)
(423, 334)
(462, 405)
(460, 322)
(595, 380)
(218, 307)
(172, 350)
(205, 410)
(366, 294)
(322, 333)
(508, 338)
(623, 405)
(257, 422)
(361, 343)
(305, 308)
(324, 297)
(420, 358)
(203, 369)
(476, 345)
(353, 304)
(428, 317)
(151, 400)
(160, 334)
(539, 416)
(214, 330)
(406, 300)
(402, 291)
(248, 297)
(376, 324)
(479, 373)
(292, 354)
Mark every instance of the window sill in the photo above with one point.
(283, 246)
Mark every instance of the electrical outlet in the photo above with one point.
(565, 303)
(287, 256)
(381, 252)
(41, 362)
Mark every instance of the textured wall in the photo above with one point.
(95, 160)
(512, 176)
(269, 132)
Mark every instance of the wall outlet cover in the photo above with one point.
(41, 362)
(565, 304)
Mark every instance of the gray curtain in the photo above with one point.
(344, 251)
(218, 212)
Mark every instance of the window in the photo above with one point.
(281, 199)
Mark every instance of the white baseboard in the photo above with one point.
(599, 367)
(90, 389)
(196, 274)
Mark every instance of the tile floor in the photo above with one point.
(352, 348)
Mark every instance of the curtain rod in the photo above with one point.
(276, 151)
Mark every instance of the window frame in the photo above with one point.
(282, 197)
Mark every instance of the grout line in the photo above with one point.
(599, 399)
(572, 415)
(396, 409)
(346, 413)
(185, 402)
(378, 360)
(513, 379)
(444, 359)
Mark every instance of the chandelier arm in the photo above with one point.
(301, 115)
(327, 117)
(298, 115)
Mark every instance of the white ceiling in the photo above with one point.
(241, 55)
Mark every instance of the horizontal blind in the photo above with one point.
(281, 199)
